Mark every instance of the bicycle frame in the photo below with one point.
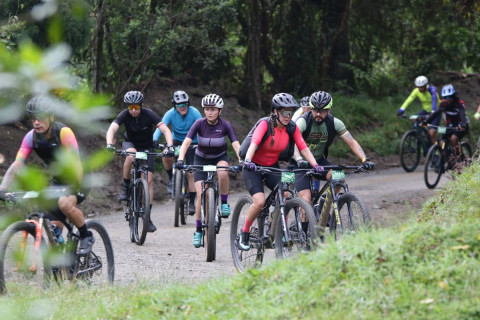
(420, 132)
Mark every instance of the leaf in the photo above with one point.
(464, 247)
(427, 301)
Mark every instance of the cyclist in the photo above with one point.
(46, 138)
(181, 118)
(305, 107)
(455, 117)
(211, 150)
(139, 122)
(427, 94)
(282, 132)
(319, 127)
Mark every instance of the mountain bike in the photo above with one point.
(278, 225)
(137, 210)
(181, 192)
(441, 158)
(211, 216)
(31, 255)
(415, 142)
(335, 207)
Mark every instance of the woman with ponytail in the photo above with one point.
(266, 152)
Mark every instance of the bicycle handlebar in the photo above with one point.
(124, 153)
(208, 168)
(54, 192)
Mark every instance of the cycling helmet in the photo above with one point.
(304, 101)
(283, 100)
(321, 100)
(420, 81)
(40, 104)
(180, 97)
(212, 100)
(133, 97)
(447, 90)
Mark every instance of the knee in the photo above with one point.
(65, 204)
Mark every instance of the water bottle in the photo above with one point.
(58, 234)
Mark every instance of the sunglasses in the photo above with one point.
(39, 117)
(286, 113)
(181, 105)
(133, 107)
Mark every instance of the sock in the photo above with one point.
(192, 197)
(83, 231)
(198, 224)
(248, 224)
(170, 174)
(150, 213)
(126, 184)
(224, 198)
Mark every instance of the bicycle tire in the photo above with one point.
(98, 267)
(179, 197)
(353, 214)
(434, 166)
(131, 219)
(15, 278)
(410, 150)
(141, 216)
(253, 258)
(210, 213)
(300, 241)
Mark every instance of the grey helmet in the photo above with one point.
(133, 97)
(180, 97)
(304, 102)
(321, 100)
(283, 100)
(40, 104)
(212, 100)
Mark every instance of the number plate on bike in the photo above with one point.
(209, 168)
(288, 177)
(442, 130)
(177, 150)
(338, 175)
(141, 155)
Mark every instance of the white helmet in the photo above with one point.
(447, 90)
(212, 100)
(420, 81)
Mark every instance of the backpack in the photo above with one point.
(285, 155)
(329, 122)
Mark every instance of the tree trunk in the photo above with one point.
(253, 72)
(97, 47)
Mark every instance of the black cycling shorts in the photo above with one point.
(302, 182)
(190, 155)
(150, 160)
(254, 180)
(201, 175)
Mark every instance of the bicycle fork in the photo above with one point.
(37, 243)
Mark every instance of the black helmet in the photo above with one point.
(180, 97)
(40, 104)
(133, 97)
(283, 100)
(304, 102)
(321, 100)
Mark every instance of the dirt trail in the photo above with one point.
(168, 255)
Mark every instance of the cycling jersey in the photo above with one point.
(60, 135)
(212, 139)
(429, 99)
(454, 113)
(267, 154)
(139, 130)
(318, 136)
(180, 124)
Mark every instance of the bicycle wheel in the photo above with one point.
(98, 267)
(434, 166)
(141, 213)
(210, 235)
(353, 214)
(410, 151)
(130, 215)
(301, 229)
(179, 197)
(20, 267)
(252, 258)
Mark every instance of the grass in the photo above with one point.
(427, 268)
